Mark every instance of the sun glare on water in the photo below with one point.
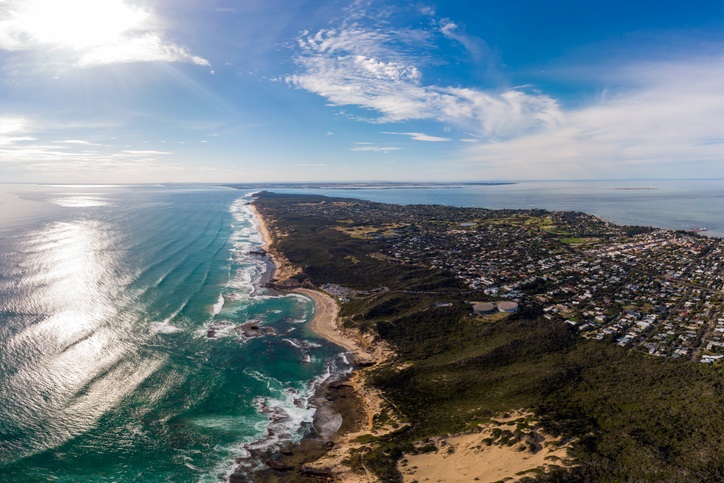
(79, 24)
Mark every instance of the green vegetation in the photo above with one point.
(571, 241)
(554, 231)
(632, 417)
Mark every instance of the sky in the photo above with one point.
(130, 91)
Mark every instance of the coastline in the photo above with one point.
(325, 319)
(283, 270)
(356, 403)
(363, 408)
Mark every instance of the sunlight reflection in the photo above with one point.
(80, 202)
(79, 361)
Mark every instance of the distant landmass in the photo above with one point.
(636, 189)
(368, 185)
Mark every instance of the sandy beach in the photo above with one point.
(325, 323)
(283, 269)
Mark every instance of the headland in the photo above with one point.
(357, 404)
(403, 277)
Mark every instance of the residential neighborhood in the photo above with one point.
(652, 290)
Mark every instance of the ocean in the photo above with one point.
(123, 354)
(128, 317)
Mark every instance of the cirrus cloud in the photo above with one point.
(373, 69)
(27, 148)
(419, 136)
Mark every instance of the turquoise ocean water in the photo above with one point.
(108, 298)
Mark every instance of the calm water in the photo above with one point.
(674, 204)
(107, 373)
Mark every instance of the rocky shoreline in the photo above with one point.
(291, 463)
(343, 397)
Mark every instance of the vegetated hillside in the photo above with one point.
(633, 417)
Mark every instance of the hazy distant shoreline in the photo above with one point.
(366, 185)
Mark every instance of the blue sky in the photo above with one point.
(294, 90)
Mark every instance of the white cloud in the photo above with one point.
(428, 10)
(23, 150)
(668, 125)
(652, 119)
(478, 49)
(146, 152)
(87, 32)
(375, 149)
(11, 125)
(77, 141)
(371, 69)
(12, 130)
(8, 140)
(418, 136)
(146, 48)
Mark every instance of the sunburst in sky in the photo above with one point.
(288, 90)
(78, 24)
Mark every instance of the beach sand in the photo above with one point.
(283, 269)
(326, 323)
(467, 457)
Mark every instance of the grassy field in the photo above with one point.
(579, 241)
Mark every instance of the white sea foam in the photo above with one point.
(285, 415)
(299, 296)
(289, 409)
(272, 384)
(216, 309)
(247, 270)
(293, 343)
(216, 329)
(302, 344)
(164, 328)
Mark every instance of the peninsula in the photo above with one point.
(569, 385)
